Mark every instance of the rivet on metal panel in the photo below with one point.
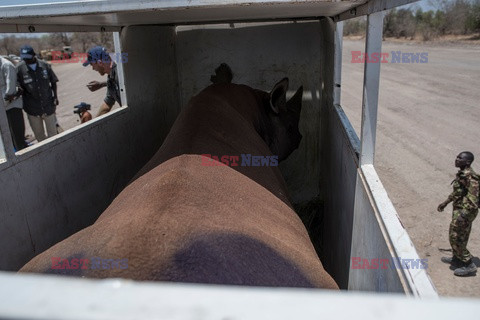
(31, 28)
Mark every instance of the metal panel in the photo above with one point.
(339, 174)
(339, 163)
(68, 299)
(370, 241)
(371, 82)
(337, 81)
(121, 77)
(32, 28)
(118, 13)
(370, 7)
(378, 233)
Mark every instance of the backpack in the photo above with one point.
(477, 177)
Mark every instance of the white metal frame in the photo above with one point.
(109, 15)
(69, 299)
(337, 76)
(370, 7)
(415, 281)
(371, 83)
(121, 75)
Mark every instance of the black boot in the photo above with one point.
(454, 261)
(469, 268)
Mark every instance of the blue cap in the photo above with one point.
(95, 54)
(82, 105)
(26, 52)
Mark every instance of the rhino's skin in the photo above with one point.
(183, 221)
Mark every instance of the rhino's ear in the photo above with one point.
(278, 96)
(295, 102)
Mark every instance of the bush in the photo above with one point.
(355, 26)
(473, 18)
(399, 23)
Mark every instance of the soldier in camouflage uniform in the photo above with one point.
(465, 208)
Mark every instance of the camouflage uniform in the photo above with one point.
(465, 203)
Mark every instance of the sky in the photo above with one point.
(424, 4)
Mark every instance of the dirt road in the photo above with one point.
(428, 113)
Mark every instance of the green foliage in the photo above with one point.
(79, 41)
(356, 26)
(452, 17)
(473, 18)
(400, 23)
(439, 22)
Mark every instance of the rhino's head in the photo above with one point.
(281, 133)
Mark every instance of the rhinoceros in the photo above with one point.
(183, 219)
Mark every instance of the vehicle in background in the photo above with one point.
(46, 55)
(51, 54)
(67, 52)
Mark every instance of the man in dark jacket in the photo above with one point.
(39, 84)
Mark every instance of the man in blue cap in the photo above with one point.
(40, 100)
(101, 62)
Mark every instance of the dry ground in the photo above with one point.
(428, 113)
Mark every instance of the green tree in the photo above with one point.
(473, 18)
(59, 39)
(399, 23)
(8, 45)
(456, 13)
(439, 22)
(82, 41)
(355, 26)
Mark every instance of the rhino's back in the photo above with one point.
(187, 222)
